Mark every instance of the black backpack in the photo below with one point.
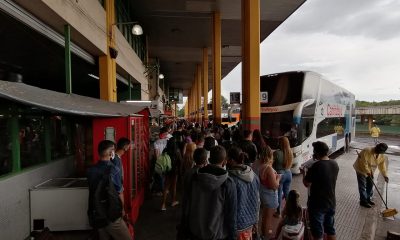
(105, 206)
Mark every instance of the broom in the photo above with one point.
(388, 212)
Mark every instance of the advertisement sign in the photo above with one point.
(235, 97)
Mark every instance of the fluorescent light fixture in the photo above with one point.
(137, 30)
(93, 76)
(132, 101)
(161, 76)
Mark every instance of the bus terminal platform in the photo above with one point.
(352, 221)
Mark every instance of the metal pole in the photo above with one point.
(67, 34)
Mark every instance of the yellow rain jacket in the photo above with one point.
(375, 132)
(367, 162)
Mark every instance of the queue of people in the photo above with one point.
(228, 179)
(232, 184)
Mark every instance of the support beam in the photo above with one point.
(370, 121)
(217, 68)
(107, 65)
(199, 93)
(67, 49)
(205, 85)
(251, 64)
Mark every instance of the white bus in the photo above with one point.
(306, 108)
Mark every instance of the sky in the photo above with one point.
(355, 44)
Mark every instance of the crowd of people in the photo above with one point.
(233, 184)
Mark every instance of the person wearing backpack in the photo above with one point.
(106, 196)
(171, 173)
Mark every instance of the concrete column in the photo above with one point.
(251, 64)
(205, 84)
(107, 65)
(199, 92)
(370, 121)
(188, 103)
(217, 67)
(186, 107)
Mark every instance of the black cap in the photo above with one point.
(381, 148)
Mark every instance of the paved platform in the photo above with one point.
(352, 221)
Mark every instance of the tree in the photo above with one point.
(181, 112)
(224, 101)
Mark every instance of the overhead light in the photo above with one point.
(161, 76)
(137, 30)
(93, 76)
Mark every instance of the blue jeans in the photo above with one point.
(364, 187)
(322, 221)
(284, 186)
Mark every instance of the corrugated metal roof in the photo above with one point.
(64, 103)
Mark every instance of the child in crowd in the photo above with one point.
(291, 222)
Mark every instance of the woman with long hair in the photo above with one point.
(292, 214)
(258, 140)
(171, 177)
(188, 161)
(269, 181)
(283, 158)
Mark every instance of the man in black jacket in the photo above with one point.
(209, 201)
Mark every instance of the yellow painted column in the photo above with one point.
(251, 64)
(188, 104)
(205, 84)
(107, 65)
(186, 110)
(199, 93)
(195, 94)
(216, 99)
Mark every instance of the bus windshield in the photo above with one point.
(276, 125)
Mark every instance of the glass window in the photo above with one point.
(31, 138)
(282, 88)
(330, 126)
(275, 125)
(60, 137)
(307, 121)
(5, 147)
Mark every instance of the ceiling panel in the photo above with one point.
(177, 31)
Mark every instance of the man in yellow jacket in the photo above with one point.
(375, 131)
(367, 161)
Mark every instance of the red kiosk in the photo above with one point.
(135, 162)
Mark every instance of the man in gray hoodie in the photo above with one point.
(210, 202)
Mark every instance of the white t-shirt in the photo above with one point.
(160, 145)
